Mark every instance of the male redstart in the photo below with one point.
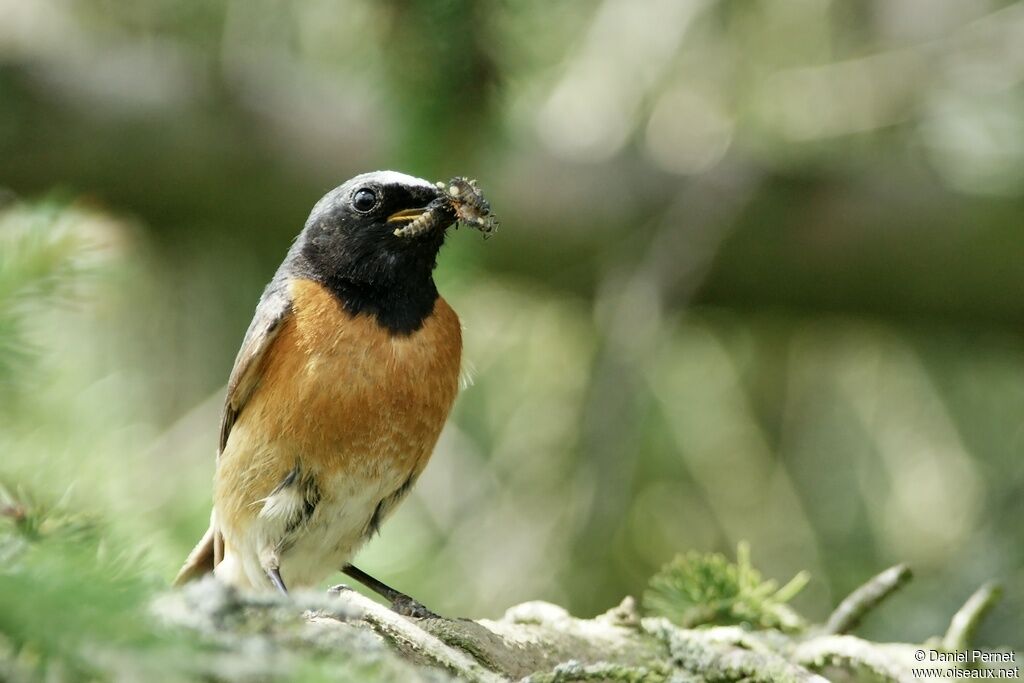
(340, 390)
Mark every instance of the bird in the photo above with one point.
(337, 397)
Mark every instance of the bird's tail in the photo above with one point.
(204, 557)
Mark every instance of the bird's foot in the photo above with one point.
(402, 605)
(407, 607)
(400, 602)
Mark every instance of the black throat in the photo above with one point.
(401, 309)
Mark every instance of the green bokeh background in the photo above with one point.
(759, 276)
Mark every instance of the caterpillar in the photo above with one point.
(437, 213)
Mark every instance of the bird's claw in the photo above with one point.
(402, 605)
(407, 607)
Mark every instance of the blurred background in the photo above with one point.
(759, 277)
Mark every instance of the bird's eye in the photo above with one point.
(364, 199)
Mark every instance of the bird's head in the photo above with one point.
(350, 235)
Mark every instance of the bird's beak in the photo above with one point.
(406, 216)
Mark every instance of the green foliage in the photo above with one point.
(45, 251)
(68, 595)
(697, 589)
(73, 597)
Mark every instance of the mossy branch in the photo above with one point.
(406, 634)
(351, 637)
(964, 624)
(541, 643)
(848, 615)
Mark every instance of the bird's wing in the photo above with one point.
(274, 307)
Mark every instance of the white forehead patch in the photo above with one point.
(394, 178)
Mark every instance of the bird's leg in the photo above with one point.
(272, 566)
(275, 578)
(400, 602)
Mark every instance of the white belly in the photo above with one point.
(336, 530)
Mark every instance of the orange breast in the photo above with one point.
(340, 395)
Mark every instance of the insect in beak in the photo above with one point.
(460, 201)
(419, 221)
(406, 215)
